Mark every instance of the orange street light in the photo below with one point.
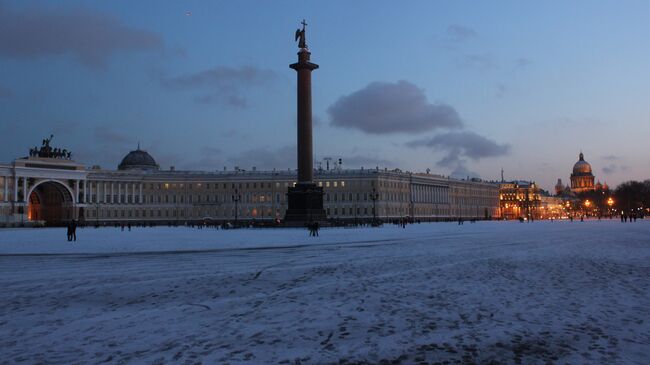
(587, 203)
(610, 201)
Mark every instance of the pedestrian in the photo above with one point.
(69, 226)
(129, 225)
(316, 228)
(74, 230)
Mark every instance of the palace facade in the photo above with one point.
(46, 189)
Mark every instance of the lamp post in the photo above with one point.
(610, 202)
(374, 196)
(236, 198)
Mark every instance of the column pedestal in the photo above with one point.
(305, 204)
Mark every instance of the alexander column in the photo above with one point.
(306, 198)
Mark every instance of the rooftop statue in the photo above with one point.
(300, 36)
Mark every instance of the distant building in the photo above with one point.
(582, 179)
(519, 199)
(559, 187)
(49, 188)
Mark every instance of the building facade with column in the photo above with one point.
(51, 191)
(519, 200)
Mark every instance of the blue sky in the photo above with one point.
(458, 87)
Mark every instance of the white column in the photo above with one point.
(16, 188)
(112, 193)
(119, 192)
(5, 181)
(140, 198)
(24, 189)
(76, 191)
(133, 192)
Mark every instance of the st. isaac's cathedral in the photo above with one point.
(582, 179)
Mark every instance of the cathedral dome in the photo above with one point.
(582, 167)
(138, 160)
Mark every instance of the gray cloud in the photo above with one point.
(613, 168)
(89, 36)
(224, 85)
(460, 146)
(460, 33)
(610, 158)
(466, 143)
(384, 107)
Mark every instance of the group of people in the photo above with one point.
(72, 231)
(631, 217)
(313, 227)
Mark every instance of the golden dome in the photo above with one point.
(582, 167)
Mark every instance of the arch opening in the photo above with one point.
(51, 203)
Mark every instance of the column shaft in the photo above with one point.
(24, 189)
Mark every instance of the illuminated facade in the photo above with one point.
(47, 190)
(582, 178)
(519, 199)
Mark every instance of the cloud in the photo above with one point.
(384, 107)
(460, 146)
(224, 85)
(467, 143)
(610, 158)
(462, 172)
(89, 36)
(460, 33)
(613, 168)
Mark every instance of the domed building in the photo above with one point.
(582, 178)
(138, 160)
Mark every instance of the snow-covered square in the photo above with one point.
(491, 292)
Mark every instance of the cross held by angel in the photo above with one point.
(300, 35)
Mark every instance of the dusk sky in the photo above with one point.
(457, 87)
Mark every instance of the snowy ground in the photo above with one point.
(500, 292)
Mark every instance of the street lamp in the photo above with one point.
(236, 198)
(610, 202)
(374, 196)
